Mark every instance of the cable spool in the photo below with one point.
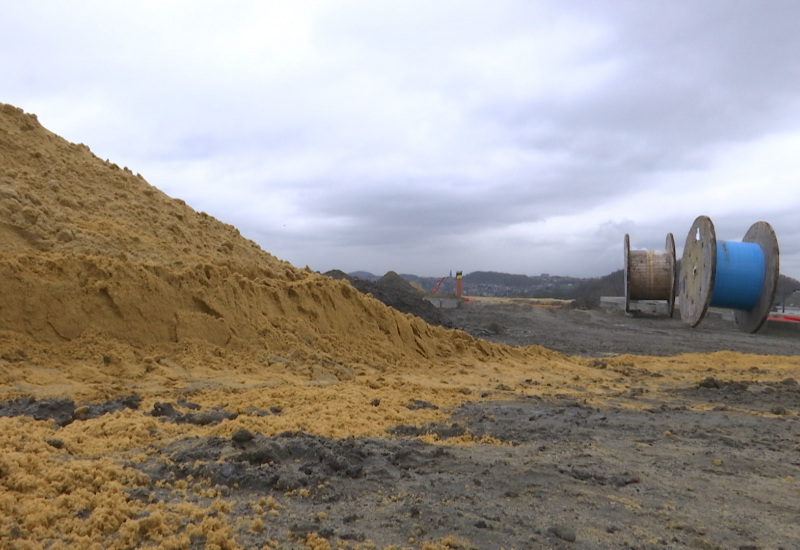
(742, 276)
(650, 274)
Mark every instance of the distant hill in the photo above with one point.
(786, 287)
(492, 283)
(586, 292)
(366, 275)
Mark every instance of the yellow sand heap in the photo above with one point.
(91, 251)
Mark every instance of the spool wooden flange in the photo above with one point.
(753, 319)
(627, 273)
(670, 245)
(698, 270)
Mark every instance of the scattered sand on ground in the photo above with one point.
(111, 289)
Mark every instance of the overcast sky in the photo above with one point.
(422, 137)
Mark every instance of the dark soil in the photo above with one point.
(396, 292)
(571, 476)
(595, 333)
(64, 411)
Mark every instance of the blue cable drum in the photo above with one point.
(739, 280)
(742, 276)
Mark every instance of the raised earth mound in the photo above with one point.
(166, 383)
(396, 292)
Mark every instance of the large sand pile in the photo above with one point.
(97, 264)
(114, 292)
(111, 288)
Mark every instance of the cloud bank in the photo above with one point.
(516, 136)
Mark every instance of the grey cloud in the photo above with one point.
(408, 125)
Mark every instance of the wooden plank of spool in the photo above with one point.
(650, 274)
(753, 319)
(670, 245)
(627, 273)
(698, 270)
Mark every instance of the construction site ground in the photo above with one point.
(599, 332)
(711, 464)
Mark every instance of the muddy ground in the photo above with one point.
(569, 476)
(710, 465)
(599, 332)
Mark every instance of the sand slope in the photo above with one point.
(92, 251)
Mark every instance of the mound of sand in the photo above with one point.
(98, 263)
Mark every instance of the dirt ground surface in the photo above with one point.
(598, 332)
(166, 383)
(710, 464)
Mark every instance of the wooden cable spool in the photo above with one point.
(650, 274)
(742, 276)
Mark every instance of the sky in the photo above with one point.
(519, 136)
